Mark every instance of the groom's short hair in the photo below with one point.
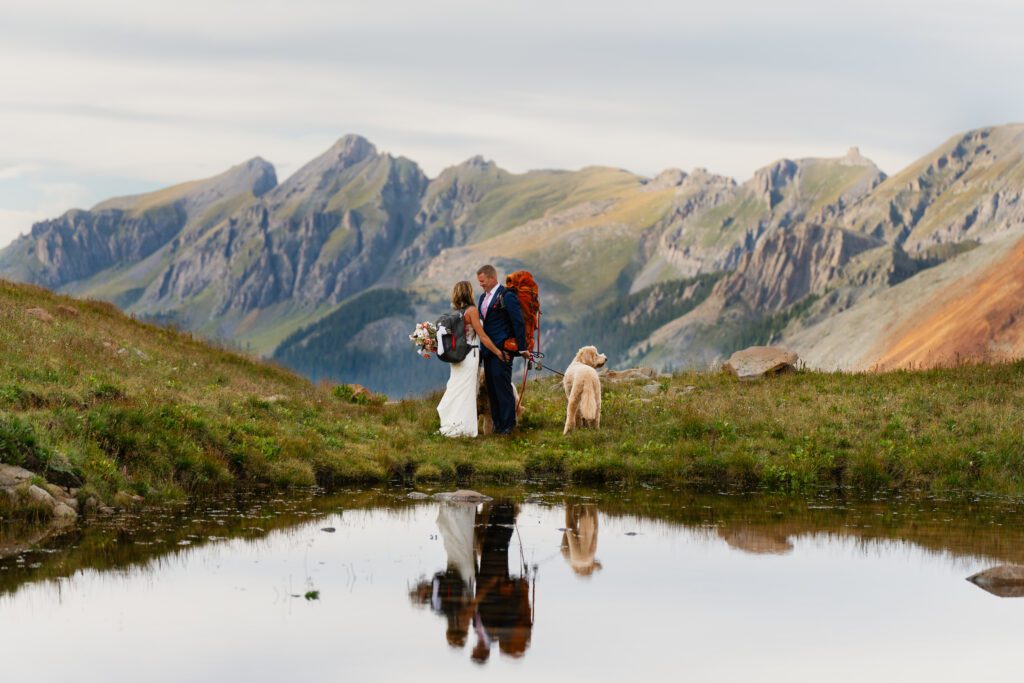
(489, 271)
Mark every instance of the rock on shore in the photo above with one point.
(758, 361)
(48, 501)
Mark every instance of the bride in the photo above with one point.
(457, 408)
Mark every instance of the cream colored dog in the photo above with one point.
(583, 389)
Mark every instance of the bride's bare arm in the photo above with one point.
(473, 317)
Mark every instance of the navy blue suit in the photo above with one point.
(503, 320)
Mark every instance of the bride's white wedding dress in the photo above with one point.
(457, 408)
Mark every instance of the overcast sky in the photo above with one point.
(112, 97)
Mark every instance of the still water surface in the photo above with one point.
(581, 585)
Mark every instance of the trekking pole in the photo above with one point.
(526, 371)
(527, 364)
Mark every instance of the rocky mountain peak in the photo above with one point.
(350, 149)
(256, 175)
(853, 157)
(477, 162)
(670, 177)
(260, 172)
(471, 170)
(701, 176)
(967, 189)
(316, 178)
(770, 180)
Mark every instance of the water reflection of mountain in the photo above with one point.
(476, 592)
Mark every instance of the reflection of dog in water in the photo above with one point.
(494, 604)
(579, 542)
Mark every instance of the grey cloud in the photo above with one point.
(889, 76)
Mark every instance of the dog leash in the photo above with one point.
(533, 361)
(544, 367)
(535, 358)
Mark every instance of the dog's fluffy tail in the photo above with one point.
(583, 396)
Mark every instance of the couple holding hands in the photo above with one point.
(492, 323)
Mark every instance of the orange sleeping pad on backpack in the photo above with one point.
(522, 283)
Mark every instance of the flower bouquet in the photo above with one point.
(424, 338)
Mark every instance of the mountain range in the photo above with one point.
(328, 271)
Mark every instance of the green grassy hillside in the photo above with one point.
(95, 396)
(333, 349)
(617, 326)
(95, 399)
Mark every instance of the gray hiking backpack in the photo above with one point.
(452, 345)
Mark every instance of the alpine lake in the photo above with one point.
(630, 584)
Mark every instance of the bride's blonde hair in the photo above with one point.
(462, 295)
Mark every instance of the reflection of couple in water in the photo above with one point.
(480, 595)
(476, 590)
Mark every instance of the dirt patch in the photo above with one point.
(975, 319)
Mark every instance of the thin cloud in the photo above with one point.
(17, 171)
(122, 95)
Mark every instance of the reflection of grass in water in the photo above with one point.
(126, 406)
(959, 531)
(155, 536)
(965, 529)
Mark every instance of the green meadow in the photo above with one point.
(93, 400)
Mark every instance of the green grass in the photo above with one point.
(942, 430)
(124, 406)
(824, 182)
(522, 198)
(724, 224)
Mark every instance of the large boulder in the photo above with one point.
(64, 514)
(758, 361)
(12, 475)
(39, 314)
(18, 495)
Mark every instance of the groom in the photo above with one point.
(503, 319)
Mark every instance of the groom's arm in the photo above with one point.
(515, 314)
